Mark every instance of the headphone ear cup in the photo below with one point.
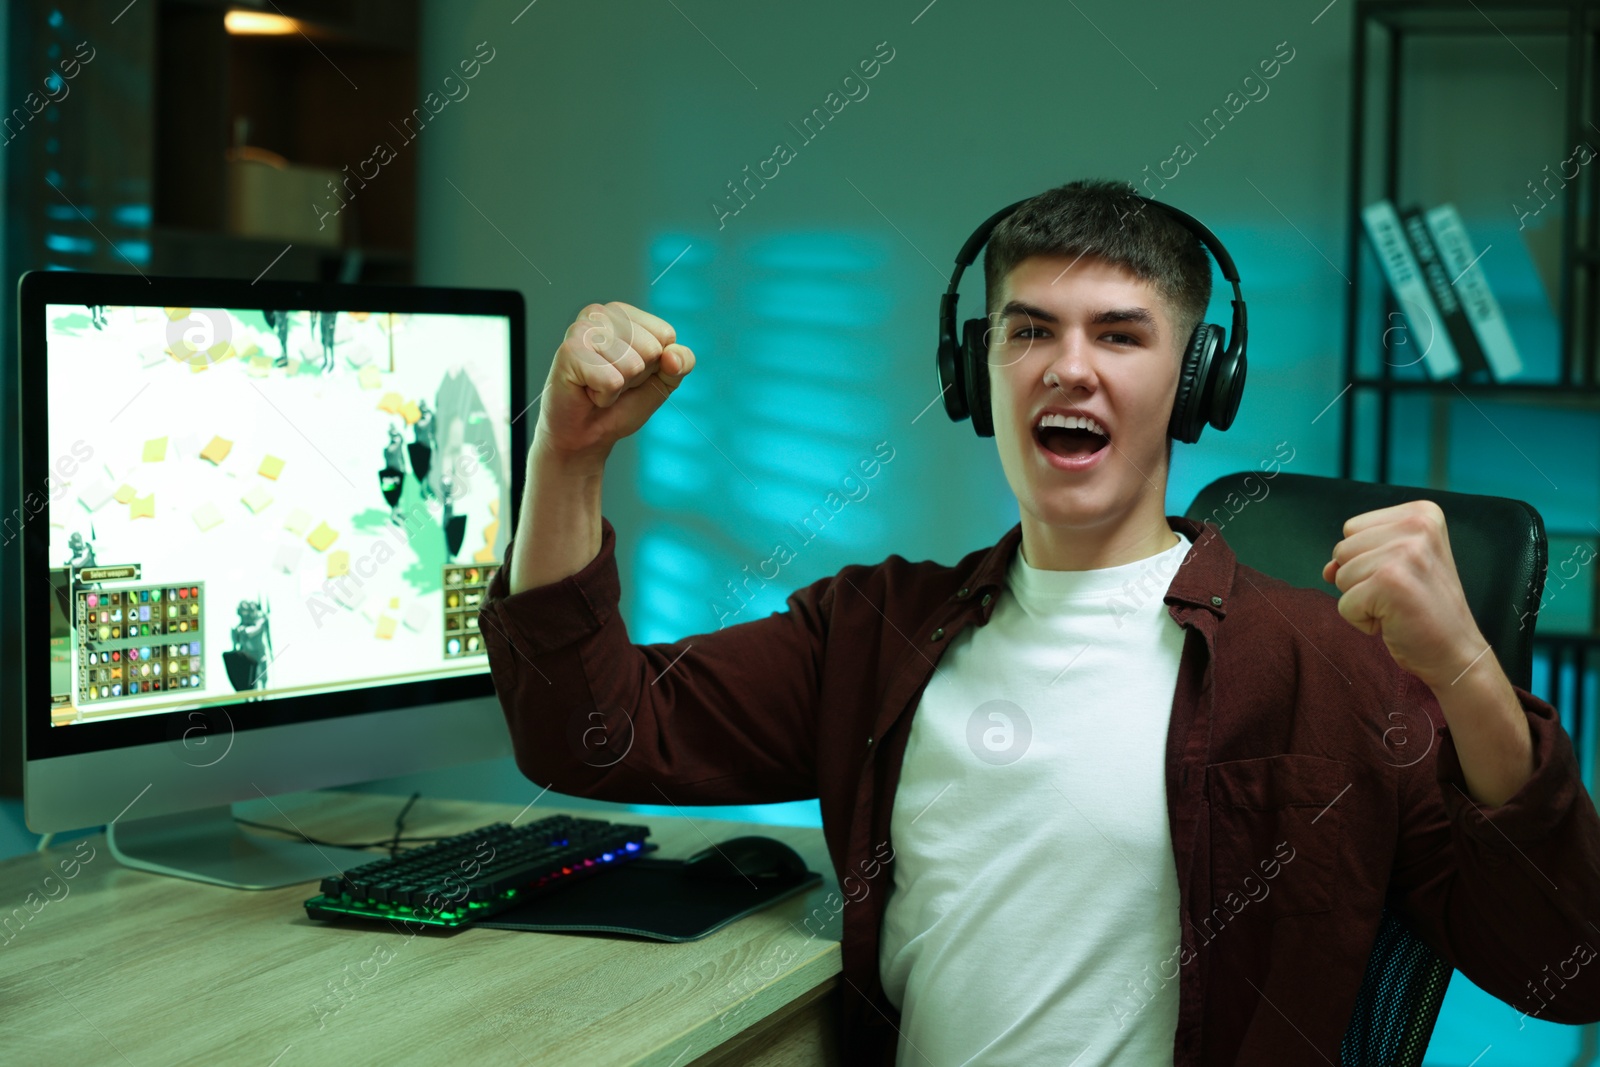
(1192, 405)
(952, 387)
(975, 372)
(1229, 389)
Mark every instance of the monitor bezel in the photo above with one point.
(38, 289)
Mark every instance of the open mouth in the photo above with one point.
(1072, 437)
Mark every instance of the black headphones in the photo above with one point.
(1209, 385)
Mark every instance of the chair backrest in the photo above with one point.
(1286, 525)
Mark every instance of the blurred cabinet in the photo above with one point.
(186, 101)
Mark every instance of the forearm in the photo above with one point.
(558, 525)
(1505, 883)
(1490, 731)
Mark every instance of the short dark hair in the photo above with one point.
(1102, 217)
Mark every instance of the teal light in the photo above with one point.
(826, 301)
(787, 398)
(60, 242)
(134, 215)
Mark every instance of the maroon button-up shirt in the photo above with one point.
(1308, 777)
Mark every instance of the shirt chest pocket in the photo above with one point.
(1275, 835)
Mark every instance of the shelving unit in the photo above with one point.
(1401, 20)
(1386, 32)
(320, 96)
(130, 173)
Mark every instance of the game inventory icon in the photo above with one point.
(463, 592)
(139, 641)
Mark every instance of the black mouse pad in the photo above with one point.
(648, 898)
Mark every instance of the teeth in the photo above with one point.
(1071, 422)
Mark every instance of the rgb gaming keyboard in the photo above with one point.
(471, 876)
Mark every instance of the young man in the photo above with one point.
(1075, 826)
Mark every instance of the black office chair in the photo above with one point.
(1286, 526)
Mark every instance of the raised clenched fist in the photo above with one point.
(615, 366)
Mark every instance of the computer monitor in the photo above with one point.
(256, 520)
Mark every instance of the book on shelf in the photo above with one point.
(1474, 367)
(1425, 322)
(1472, 288)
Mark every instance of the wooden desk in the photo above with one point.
(126, 967)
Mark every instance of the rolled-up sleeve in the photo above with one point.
(723, 717)
(1509, 894)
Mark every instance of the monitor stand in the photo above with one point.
(208, 846)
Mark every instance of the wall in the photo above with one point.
(586, 160)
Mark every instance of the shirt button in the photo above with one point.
(869, 742)
(937, 633)
(964, 591)
(1216, 601)
(985, 601)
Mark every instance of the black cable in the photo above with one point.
(384, 844)
(400, 825)
(392, 844)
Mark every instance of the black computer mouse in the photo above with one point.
(740, 858)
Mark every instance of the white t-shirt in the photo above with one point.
(1034, 913)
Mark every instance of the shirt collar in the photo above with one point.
(1205, 578)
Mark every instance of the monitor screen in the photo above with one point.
(253, 508)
